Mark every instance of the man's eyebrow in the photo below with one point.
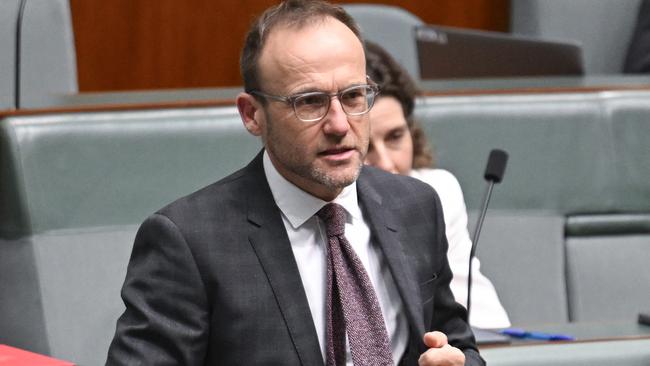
(355, 84)
(308, 90)
(311, 89)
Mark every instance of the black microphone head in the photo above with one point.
(496, 165)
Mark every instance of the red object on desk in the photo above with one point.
(10, 356)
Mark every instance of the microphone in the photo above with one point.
(496, 167)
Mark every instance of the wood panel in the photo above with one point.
(477, 14)
(145, 44)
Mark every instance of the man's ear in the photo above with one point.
(250, 112)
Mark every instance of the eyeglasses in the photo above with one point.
(313, 106)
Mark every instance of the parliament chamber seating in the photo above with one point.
(391, 27)
(43, 44)
(566, 239)
(604, 47)
(48, 56)
(568, 233)
(74, 188)
(8, 12)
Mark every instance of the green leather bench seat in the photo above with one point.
(558, 144)
(74, 190)
(112, 168)
(627, 116)
(60, 290)
(75, 186)
(608, 277)
(522, 252)
(607, 255)
(575, 193)
(8, 15)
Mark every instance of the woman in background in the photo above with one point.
(398, 145)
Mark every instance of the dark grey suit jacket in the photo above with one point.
(212, 279)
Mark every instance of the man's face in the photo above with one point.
(319, 157)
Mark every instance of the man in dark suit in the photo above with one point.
(242, 271)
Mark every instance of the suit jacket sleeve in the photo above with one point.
(166, 318)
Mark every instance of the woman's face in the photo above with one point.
(391, 145)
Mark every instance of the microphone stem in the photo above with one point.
(477, 232)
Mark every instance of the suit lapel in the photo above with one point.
(270, 242)
(385, 230)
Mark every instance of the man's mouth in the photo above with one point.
(337, 154)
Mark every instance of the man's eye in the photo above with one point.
(310, 100)
(354, 95)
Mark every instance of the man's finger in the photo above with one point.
(445, 355)
(435, 339)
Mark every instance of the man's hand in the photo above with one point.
(440, 353)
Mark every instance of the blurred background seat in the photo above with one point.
(48, 60)
(447, 52)
(603, 27)
(392, 28)
(43, 38)
(75, 187)
(8, 16)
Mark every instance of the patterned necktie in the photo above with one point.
(352, 304)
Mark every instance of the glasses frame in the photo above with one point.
(291, 99)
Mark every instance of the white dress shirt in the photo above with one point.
(487, 311)
(309, 244)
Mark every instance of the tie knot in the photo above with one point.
(333, 215)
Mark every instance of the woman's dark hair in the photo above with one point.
(395, 82)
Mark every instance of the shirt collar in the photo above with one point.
(299, 206)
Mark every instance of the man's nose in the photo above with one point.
(336, 121)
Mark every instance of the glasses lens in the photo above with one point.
(357, 100)
(311, 106)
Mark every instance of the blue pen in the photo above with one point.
(520, 333)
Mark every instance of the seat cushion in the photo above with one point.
(522, 252)
(608, 277)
